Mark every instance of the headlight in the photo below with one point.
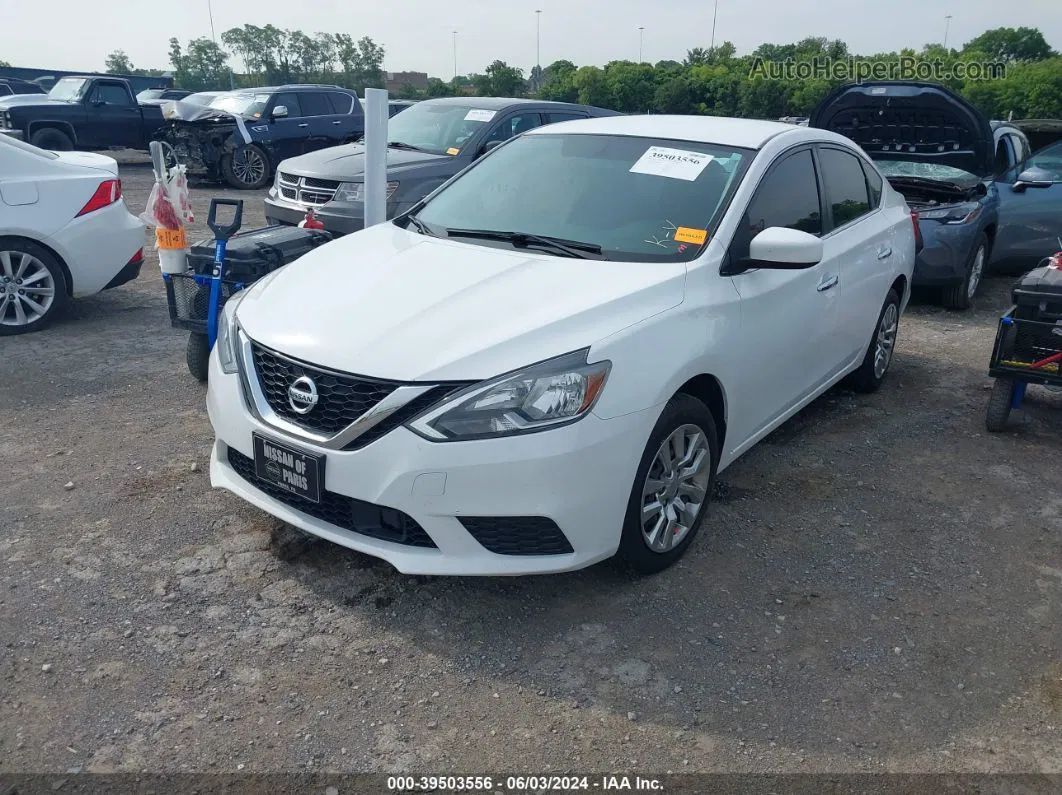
(555, 392)
(5, 119)
(355, 191)
(226, 341)
(956, 214)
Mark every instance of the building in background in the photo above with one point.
(396, 81)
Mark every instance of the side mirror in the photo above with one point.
(280, 112)
(1032, 178)
(489, 146)
(785, 249)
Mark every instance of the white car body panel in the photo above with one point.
(410, 307)
(40, 199)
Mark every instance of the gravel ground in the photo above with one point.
(878, 588)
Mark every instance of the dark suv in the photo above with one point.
(241, 136)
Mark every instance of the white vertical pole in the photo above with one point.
(375, 156)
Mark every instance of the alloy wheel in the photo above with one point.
(675, 488)
(248, 166)
(27, 289)
(886, 340)
(976, 272)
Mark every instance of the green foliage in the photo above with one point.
(1011, 44)
(4, 64)
(500, 80)
(201, 66)
(118, 63)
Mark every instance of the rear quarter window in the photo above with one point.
(874, 184)
(846, 186)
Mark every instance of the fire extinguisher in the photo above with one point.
(310, 221)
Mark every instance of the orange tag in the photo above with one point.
(453, 150)
(685, 234)
(171, 238)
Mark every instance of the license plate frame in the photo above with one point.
(285, 467)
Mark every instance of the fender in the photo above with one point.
(63, 126)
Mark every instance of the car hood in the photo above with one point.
(31, 99)
(390, 303)
(346, 163)
(176, 110)
(915, 122)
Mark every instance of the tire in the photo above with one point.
(52, 139)
(247, 168)
(33, 288)
(960, 296)
(684, 418)
(197, 355)
(872, 371)
(999, 402)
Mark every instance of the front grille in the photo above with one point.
(307, 190)
(517, 535)
(341, 398)
(364, 518)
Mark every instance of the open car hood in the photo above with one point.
(914, 122)
(176, 110)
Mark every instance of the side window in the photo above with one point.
(556, 117)
(112, 94)
(315, 103)
(291, 102)
(1004, 156)
(873, 183)
(846, 186)
(1021, 148)
(514, 125)
(788, 197)
(340, 103)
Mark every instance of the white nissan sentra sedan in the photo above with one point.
(545, 363)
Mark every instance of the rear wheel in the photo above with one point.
(879, 353)
(960, 296)
(247, 168)
(999, 405)
(52, 139)
(197, 356)
(32, 287)
(672, 487)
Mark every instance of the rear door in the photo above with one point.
(788, 317)
(112, 117)
(317, 111)
(860, 241)
(347, 122)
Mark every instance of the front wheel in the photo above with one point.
(960, 296)
(876, 361)
(672, 487)
(1000, 402)
(197, 356)
(246, 168)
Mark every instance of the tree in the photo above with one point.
(1011, 44)
(361, 61)
(500, 80)
(118, 63)
(630, 86)
(696, 57)
(672, 96)
(438, 88)
(4, 64)
(592, 86)
(200, 67)
(558, 82)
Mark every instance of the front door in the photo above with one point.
(290, 134)
(113, 119)
(788, 317)
(1030, 220)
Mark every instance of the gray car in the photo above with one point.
(428, 143)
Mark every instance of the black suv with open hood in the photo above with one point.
(937, 150)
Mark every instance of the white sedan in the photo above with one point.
(65, 232)
(546, 363)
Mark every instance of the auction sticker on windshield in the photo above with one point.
(663, 161)
(686, 234)
(479, 115)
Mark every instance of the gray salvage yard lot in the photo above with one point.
(878, 587)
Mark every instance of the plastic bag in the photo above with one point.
(168, 204)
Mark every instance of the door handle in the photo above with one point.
(884, 252)
(827, 284)
(337, 122)
(304, 124)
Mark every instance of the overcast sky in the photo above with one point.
(417, 34)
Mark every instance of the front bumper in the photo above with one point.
(945, 254)
(336, 220)
(17, 134)
(579, 476)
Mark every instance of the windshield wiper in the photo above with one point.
(570, 248)
(420, 225)
(403, 145)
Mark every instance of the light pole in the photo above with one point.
(714, 15)
(455, 57)
(538, 49)
(641, 32)
(947, 26)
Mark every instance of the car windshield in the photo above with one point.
(639, 199)
(68, 89)
(935, 171)
(1049, 159)
(441, 128)
(250, 105)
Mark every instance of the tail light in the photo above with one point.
(917, 232)
(106, 194)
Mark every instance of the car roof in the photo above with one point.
(289, 87)
(502, 103)
(721, 130)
